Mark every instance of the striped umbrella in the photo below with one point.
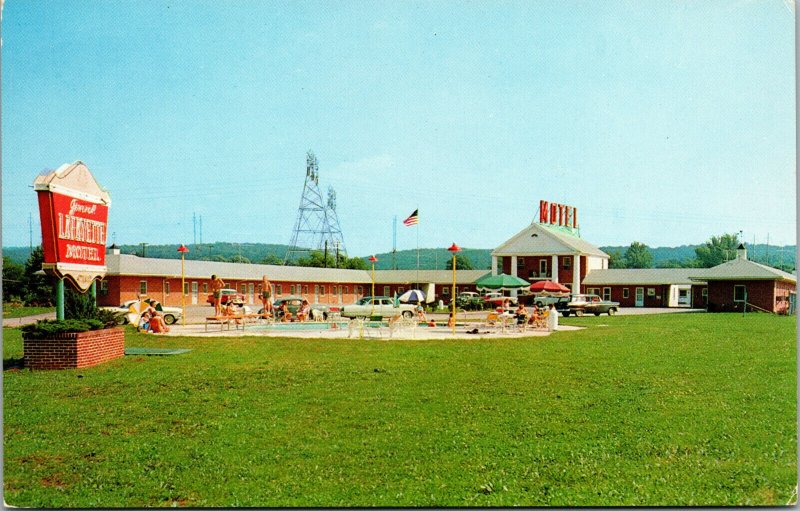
(412, 296)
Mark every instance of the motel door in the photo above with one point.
(640, 297)
(252, 292)
(194, 293)
(316, 293)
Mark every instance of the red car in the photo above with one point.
(227, 295)
(497, 299)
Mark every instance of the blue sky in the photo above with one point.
(662, 122)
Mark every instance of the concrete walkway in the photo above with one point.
(325, 331)
(17, 322)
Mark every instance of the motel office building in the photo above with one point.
(538, 252)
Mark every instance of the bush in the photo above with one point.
(46, 329)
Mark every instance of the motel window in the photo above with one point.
(142, 287)
(316, 290)
(346, 290)
(279, 289)
(739, 293)
(103, 287)
(291, 289)
(243, 289)
(704, 292)
(456, 290)
(593, 291)
(542, 267)
(305, 290)
(360, 291)
(186, 288)
(252, 288)
(400, 290)
(651, 291)
(606, 293)
(386, 290)
(567, 262)
(626, 292)
(322, 290)
(446, 291)
(166, 287)
(520, 263)
(205, 289)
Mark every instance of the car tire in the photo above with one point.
(169, 319)
(611, 312)
(408, 314)
(565, 314)
(597, 313)
(579, 312)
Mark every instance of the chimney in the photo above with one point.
(741, 252)
(113, 249)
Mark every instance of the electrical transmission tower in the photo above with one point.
(317, 223)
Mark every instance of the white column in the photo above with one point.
(514, 273)
(494, 265)
(576, 273)
(554, 269)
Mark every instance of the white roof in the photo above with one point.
(643, 276)
(125, 264)
(435, 276)
(744, 269)
(544, 239)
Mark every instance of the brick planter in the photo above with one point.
(74, 350)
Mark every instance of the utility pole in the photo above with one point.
(394, 243)
(194, 228)
(201, 229)
(144, 249)
(325, 255)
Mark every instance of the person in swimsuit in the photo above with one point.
(216, 285)
(266, 294)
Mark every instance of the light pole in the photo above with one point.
(454, 249)
(373, 260)
(183, 251)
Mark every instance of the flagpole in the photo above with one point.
(418, 247)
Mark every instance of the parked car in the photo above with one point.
(293, 303)
(470, 301)
(227, 295)
(171, 314)
(580, 304)
(497, 299)
(377, 306)
(545, 301)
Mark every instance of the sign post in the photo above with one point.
(73, 209)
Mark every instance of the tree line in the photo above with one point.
(713, 252)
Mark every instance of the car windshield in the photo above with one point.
(363, 301)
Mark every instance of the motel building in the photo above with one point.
(129, 276)
(548, 249)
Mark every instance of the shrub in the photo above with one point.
(45, 329)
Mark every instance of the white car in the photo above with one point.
(382, 306)
(171, 314)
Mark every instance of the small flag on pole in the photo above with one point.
(413, 219)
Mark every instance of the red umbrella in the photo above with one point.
(548, 286)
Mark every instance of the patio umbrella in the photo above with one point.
(549, 287)
(412, 296)
(500, 282)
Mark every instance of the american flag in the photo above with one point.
(413, 219)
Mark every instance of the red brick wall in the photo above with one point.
(77, 350)
(760, 293)
(698, 300)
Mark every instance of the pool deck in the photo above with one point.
(367, 332)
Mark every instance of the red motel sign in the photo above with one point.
(73, 210)
(558, 214)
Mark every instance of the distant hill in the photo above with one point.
(429, 258)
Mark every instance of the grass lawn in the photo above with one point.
(11, 311)
(674, 409)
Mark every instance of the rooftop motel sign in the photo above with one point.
(73, 210)
(558, 214)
